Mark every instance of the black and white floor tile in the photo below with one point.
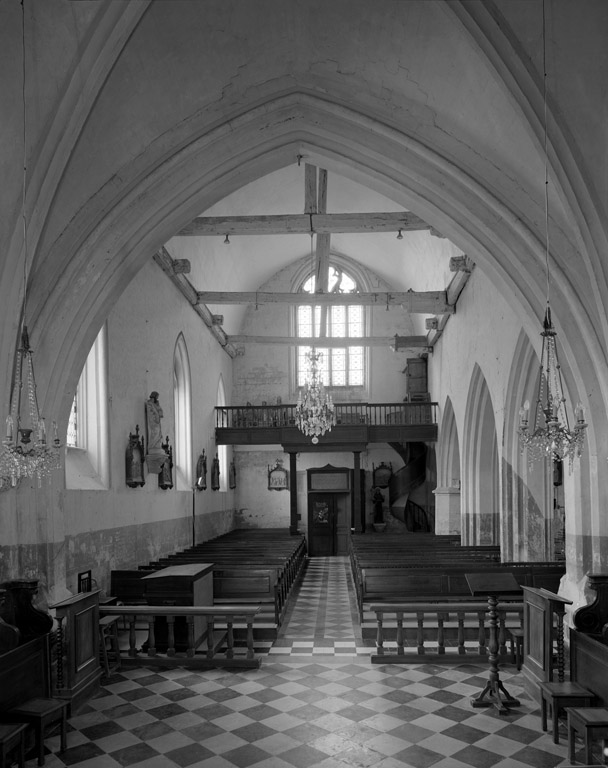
(315, 702)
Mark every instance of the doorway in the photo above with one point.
(330, 510)
(323, 524)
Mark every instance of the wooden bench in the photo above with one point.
(441, 581)
(25, 687)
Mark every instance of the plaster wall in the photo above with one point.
(122, 527)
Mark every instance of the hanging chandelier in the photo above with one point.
(551, 436)
(25, 451)
(315, 413)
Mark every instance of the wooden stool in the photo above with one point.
(108, 635)
(12, 737)
(558, 696)
(40, 713)
(517, 644)
(591, 724)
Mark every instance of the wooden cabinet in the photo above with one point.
(189, 584)
(77, 672)
(416, 379)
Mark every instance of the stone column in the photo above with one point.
(447, 510)
(357, 500)
(293, 494)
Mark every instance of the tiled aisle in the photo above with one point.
(316, 702)
(322, 618)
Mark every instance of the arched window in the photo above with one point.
(341, 366)
(182, 404)
(87, 463)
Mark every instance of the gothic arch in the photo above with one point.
(480, 481)
(448, 449)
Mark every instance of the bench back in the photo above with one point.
(25, 673)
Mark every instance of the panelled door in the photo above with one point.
(323, 524)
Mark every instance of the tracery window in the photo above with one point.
(340, 366)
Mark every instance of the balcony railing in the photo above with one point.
(347, 414)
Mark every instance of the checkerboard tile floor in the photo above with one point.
(315, 702)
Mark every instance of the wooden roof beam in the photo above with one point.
(399, 342)
(304, 224)
(420, 302)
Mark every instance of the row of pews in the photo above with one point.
(426, 567)
(250, 566)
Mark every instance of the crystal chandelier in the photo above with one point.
(25, 451)
(551, 436)
(315, 413)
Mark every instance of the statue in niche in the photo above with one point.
(165, 477)
(201, 472)
(155, 456)
(215, 474)
(378, 502)
(134, 460)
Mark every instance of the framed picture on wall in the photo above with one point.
(278, 477)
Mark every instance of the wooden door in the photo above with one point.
(322, 524)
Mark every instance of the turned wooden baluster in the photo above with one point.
(170, 635)
(481, 616)
(250, 653)
(440, 633)
(420, 638)
(132, 637)
(400, 634)
(229, 637)
(151, 637)
(210, 640)
(190, 625)
(461, 646)
(379, 634)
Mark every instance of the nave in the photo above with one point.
(315, 702)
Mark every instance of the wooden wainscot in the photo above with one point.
(589, 641)
(78, 671)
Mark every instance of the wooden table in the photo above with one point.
(494, 585)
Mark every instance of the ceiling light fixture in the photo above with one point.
(551, 436)
(315, 412)
(25, 451)
(226, 240)
(399, 235)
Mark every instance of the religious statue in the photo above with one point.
(378, 502)
(215, 474)
(165, 476)
(134, 460)
(201, 472)
(155, 454)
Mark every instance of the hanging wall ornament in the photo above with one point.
(134, 460)
(201, 472)
(232, 475)
(215, 474)
(165, 476)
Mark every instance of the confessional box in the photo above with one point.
(188, 584)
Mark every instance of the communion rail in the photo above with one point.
(454, 632)
(225, 616)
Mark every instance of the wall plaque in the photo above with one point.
(278, 477)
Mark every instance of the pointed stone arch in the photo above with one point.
(447, 493)
(480, 481)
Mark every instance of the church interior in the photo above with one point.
(214, 211)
